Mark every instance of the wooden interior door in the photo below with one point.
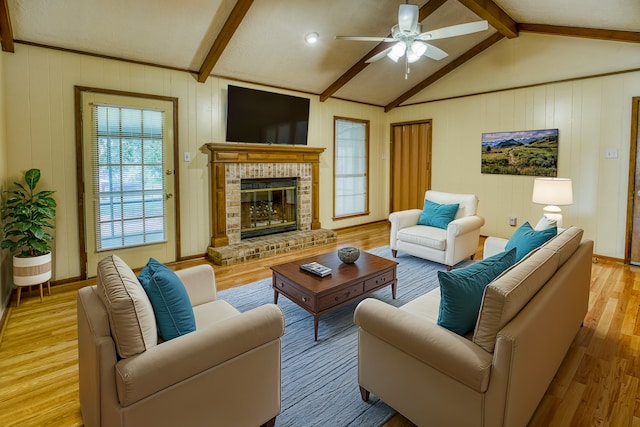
(633, 202)
(410, 164)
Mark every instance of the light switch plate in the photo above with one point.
(187, 156)
(611, 153)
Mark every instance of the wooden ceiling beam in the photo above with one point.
(590, 33)
(228, 29)
(497, 18)
(424, 12)
(6, 33)
(445, 70)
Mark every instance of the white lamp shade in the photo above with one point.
(552, 191)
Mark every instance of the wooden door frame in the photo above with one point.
(78, 91)
(391, 151)
(633, 153)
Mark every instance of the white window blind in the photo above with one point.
(351, 166)
(128, 177)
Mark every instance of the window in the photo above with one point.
(351, 165)
(128, 179)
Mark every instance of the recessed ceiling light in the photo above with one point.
(312, 38)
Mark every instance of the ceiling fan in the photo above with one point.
(409, 40)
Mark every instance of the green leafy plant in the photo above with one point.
(26, 215)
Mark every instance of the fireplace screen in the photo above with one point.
(268, 206)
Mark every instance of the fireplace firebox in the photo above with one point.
(268, 206)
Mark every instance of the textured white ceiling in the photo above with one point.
(268, 47)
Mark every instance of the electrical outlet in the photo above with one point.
(513, 221)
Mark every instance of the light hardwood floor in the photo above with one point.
(597, 384)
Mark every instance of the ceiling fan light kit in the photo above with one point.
(409, 40)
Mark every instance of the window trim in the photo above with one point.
(366, 211)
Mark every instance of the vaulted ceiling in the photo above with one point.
(263, 41)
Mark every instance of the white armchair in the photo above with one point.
(459, 241)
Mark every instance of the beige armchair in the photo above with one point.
(226, 372)
(445, 246)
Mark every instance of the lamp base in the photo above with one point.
(554, 213)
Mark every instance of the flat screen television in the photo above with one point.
(256, 116)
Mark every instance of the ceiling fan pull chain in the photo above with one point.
(406, 72)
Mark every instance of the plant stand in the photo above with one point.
(30, 271)
(41, 291)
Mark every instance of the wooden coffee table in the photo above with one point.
(346, 283)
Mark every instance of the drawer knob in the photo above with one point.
(305, 299)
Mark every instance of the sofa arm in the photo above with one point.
(464, 225)
(435, 346)
(183, 357)
(400, 220)
(200, 282)
(493, 245)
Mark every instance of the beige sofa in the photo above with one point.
(445, 246)
(496, 377)
(226, 372)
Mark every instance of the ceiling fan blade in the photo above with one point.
(379, 56)
(435, 52)
(408, 17)
(366, 39)
(454, 30)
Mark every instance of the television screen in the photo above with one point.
(257, 116)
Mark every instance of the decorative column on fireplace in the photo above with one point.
(258, 161)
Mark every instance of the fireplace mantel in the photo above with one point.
(226, 153)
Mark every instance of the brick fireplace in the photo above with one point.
(230, 164)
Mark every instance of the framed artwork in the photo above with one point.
(528, 152)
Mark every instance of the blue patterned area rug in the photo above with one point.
(320, 378)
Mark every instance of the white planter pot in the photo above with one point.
(29, 271)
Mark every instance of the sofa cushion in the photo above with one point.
(169, 298)
(544, 222)
(461, 291)
(525, 239)
(131, 318)
(437, 215)
(508, 294)
(565, 243)
(430, 237)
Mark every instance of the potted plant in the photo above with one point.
(27, 216)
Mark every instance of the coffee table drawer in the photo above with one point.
(294, 293)
(340, 296)
(378, 281)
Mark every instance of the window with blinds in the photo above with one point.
(351, 165)
(128, 177)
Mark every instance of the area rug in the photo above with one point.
(320, 378)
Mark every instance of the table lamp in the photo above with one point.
(553, 192)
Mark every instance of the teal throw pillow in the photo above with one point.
(169, 299)
(437, 215)
(525, 239)
(461, 291)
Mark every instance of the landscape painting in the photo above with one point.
(530, 152)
